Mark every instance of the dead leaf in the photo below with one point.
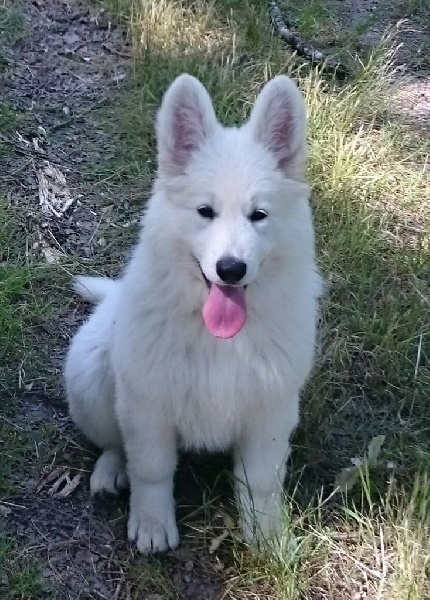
(54, 195)
(46, 479)
(71, 38)
(5, 511)
(216, 542)
(347, 478)
(71, 485)
(374, 449)
(37, 147)
(22, 139)
(228, 521)
(51, 255)
(63, 483)
(219, 566)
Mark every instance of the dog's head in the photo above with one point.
(235, 197)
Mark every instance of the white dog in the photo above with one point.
(208, 337)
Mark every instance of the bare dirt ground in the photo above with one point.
(70, 62)
(412, 101)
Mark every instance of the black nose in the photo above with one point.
(230, 270)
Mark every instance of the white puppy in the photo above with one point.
(207, 339)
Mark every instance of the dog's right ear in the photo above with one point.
(185, 121)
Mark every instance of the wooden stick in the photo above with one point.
(303, 48)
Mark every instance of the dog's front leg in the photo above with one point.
(260, 460)
(150, 447)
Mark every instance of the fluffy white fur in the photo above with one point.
(144, 376)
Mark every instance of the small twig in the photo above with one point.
(62, 124)
(74, 118)
(417, 362)
(23, 167)
(303, 48)
(19, 150)
(12, 504)
(358, 563)
(113, 50)
(71, 54)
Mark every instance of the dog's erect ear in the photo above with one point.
(278, 122)
(185, 120)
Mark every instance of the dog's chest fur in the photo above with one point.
(208, 387)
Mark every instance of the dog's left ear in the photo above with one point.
(185, 121)
(278, 122)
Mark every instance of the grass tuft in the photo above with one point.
(21, 575)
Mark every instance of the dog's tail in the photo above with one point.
(93, 289)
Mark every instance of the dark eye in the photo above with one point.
(207, 212)
(258, 215)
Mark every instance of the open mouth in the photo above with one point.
(205, 279)
(224, 311)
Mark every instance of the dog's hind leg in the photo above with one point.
(90, 394)
(109, 473)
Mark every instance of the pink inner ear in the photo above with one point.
(280, 133)
(187, 133)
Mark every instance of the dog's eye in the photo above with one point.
(207, 212)
(258, 215)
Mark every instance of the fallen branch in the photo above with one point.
(22, 146)
(303, 48)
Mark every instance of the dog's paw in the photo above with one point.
(109, 474)
(261, 520)
(152, 534)
(273, 535)
(255, 531)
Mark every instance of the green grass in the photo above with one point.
(150, 576)
(28, 302)
(8, 120)
(372, 377)
(15, 279)
(27, 283)
(25, 305)
(16, 449)
(24, 299)
(12, 28)
(12, 23)
(26, 447)
(21, 576)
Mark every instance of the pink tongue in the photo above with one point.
(224, 312)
